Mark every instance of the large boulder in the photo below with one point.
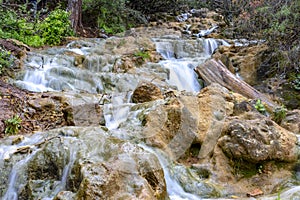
(255, 138)
(146, 91)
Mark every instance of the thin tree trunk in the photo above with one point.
(75, 7)
(213, 71)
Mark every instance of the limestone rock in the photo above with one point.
(244, 61)
(146, 91)
(87, 163)
(292, 121)
(255, 138)
(214, 103)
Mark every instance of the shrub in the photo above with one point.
(13, 125)
(6, 60)
(110, 16)
(278, 23)
(35, 33)
(279, 114)
(55, 27)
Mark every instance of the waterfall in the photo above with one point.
(174, 189)
(181, 57)
(117, 111)
(211, 44)
(72, 150)
(19, 167)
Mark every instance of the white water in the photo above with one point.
(6, 152)
(183, 56)
(16, 175)
(117, 111)
(174, 189)
(72, 149)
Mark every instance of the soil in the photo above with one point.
(38, 111)
(12, 102)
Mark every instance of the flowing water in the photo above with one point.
(55, 70)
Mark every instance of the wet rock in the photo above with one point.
(89, 164)
(255, 138)
(193, 183)
(82, 109)
(146, 91)
(18, 139)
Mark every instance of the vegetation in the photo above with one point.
(37, 32)
(13, 125)
(277, 22)
(142, 54)
(55, 27)
(6, 60)
(279, 114)
(259, 106)
(296, 82)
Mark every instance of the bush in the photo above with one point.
(35, 33)
(13, 125)
(55, 27)
(277, 22)
(6, 60)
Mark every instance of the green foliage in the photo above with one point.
(6, 60)
(36, 32)
(296, 82)
(110, 17)
(259, 106)
(245, 169)
(142, 54)
(55, 27)
(277, 22)
(13, 125)
(279, 114)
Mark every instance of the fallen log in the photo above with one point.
(214, 71)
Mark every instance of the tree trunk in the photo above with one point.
(213, 71)
(75, 6)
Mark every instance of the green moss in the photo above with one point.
(244, 169)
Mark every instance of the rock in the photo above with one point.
(146, 91)
(255, 138)
(17, 139)
(244, 61)
(82, 109)
(292, 121)
(214, 104)
(193, 182)
(87, 163)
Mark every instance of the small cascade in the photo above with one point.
(19, 176)
(174, 189)
(12, 190)
(182, 75)
(182, 56)
(210, 45)
(72, 150)
(18, 168)
(117, 111)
